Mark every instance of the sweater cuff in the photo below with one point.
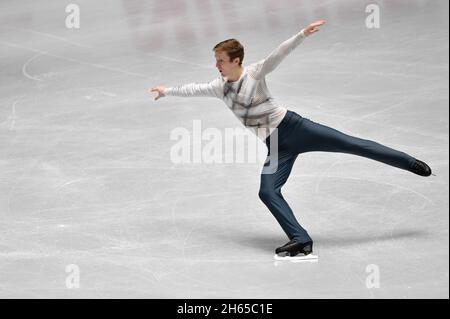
(302, 33)
(168, 91)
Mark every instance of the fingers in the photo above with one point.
(314, 27)
(319, 23)
(156, 90)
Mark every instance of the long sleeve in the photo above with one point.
(267, 65)
(211, 89)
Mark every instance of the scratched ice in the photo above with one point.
(86, 177)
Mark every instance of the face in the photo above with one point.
(223, 63)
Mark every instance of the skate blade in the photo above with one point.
(297, 258)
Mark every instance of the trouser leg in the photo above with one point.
(317, 137)
(270, 194)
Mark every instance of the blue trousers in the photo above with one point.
(297, 135)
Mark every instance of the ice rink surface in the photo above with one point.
(92, 206)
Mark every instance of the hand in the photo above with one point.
(313, 27)
(160, 90)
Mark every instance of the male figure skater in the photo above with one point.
(245, 92)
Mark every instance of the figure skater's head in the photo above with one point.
(229, 56)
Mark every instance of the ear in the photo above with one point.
(236, 60)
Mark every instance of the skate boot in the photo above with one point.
(293, 248)
(282, 248)
(421, 168)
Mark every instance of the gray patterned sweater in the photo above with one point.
(248, 98)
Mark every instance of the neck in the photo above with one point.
(236, 75)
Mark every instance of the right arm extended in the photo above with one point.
(211, 89)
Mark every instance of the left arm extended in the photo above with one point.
(264, 67)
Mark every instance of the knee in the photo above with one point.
(266, 194)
